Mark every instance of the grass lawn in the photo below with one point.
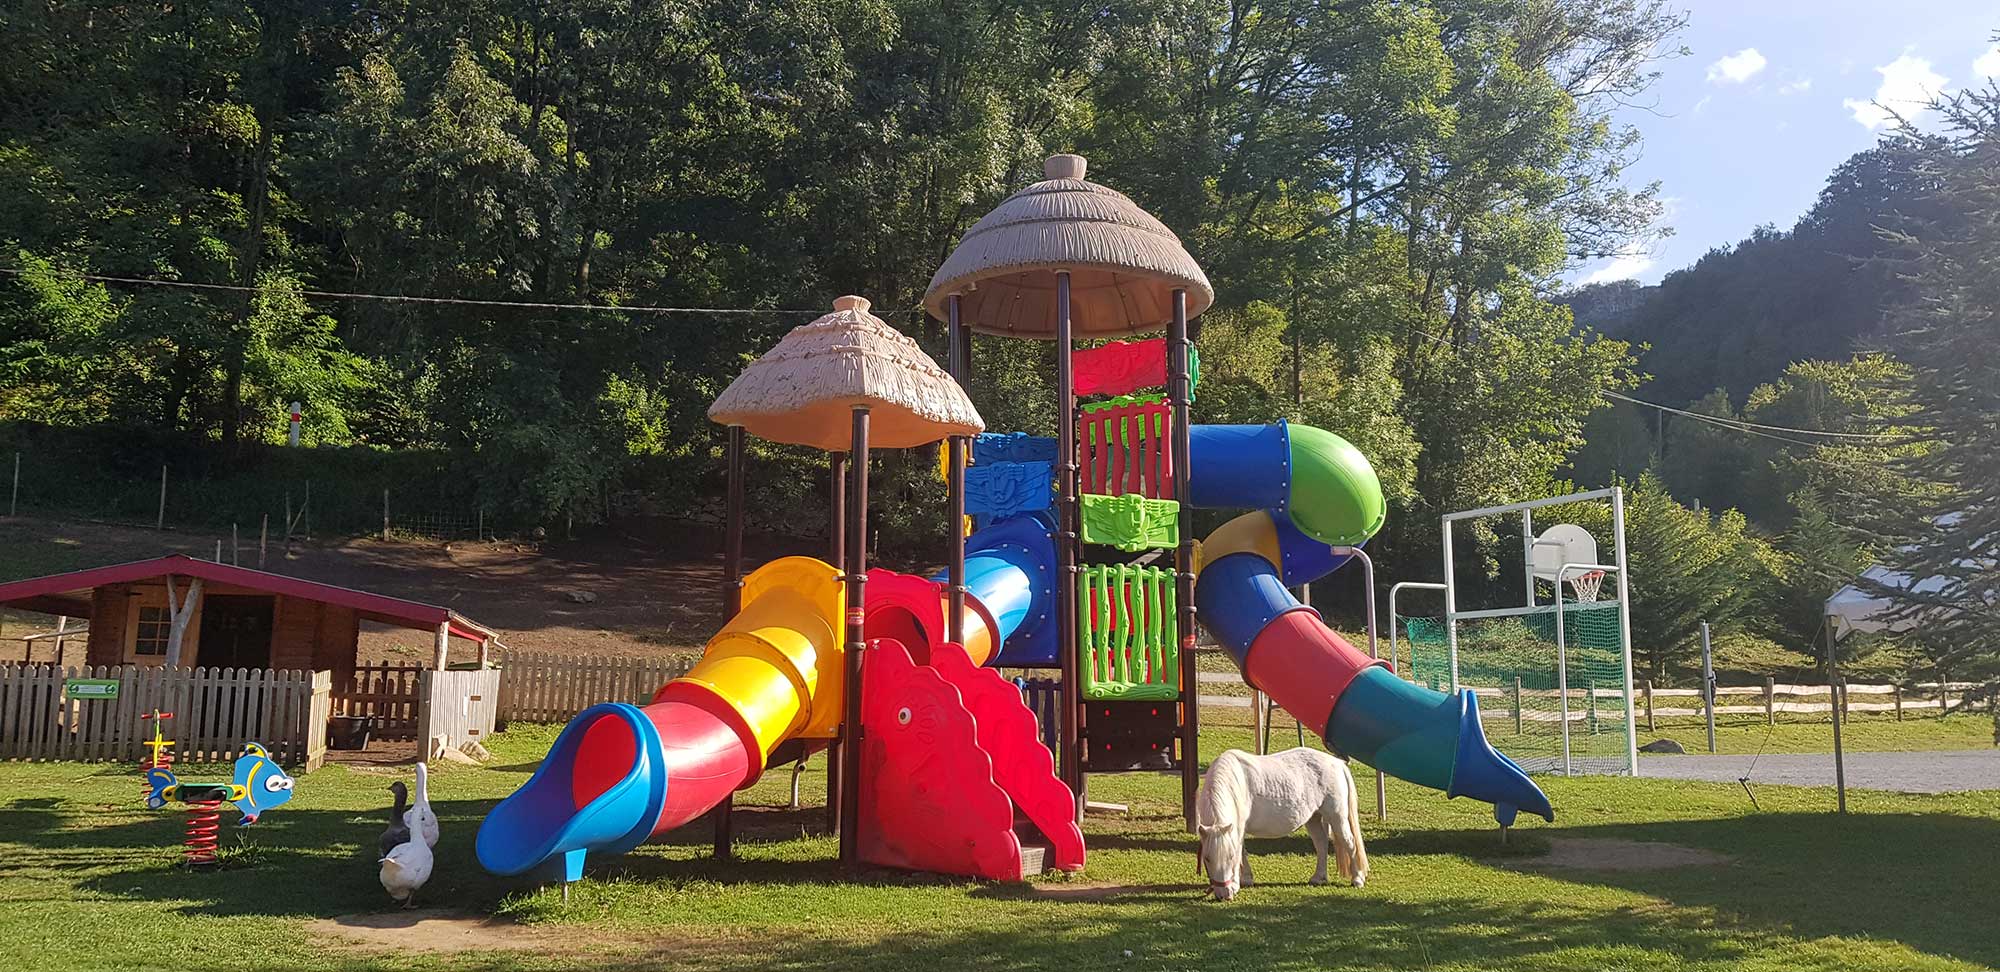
(1906, 882)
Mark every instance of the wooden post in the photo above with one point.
(306, 511)
(385, 513)
(235, 546)
(1517, 705)
(1180, 394)
(160, 523)
(485, 653)
(1649, 705)
(855, 583)
(1708, 686)
(14, 498)
(1770, 701)
(263, 539)
(179, 613)
(437, 655)
(1839, 757)
(1590, 707)
(1843, 697)
(1944, 696)
(1896, 695)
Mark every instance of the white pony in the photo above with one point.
(1271, 796)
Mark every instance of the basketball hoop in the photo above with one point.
(1587, 584)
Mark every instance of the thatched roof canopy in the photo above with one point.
(1124, 265)
(804, 390)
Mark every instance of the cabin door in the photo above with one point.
(236, 631)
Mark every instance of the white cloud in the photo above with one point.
(1988, 64)
(1620, 268)
(1800, 86)
(1737, 68)
(1908, 85)
(1701, 105)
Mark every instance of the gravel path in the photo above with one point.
(1939, 772)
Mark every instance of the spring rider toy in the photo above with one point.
(257, 785)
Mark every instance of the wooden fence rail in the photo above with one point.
(552, 687)
(216, 710)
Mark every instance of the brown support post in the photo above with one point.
(837, 555)
(855, 583)
(1770, 701)
(1067, 530)
(732, 601)
(732, 537)
(1517, 705)
(1179, 393)
(954, 487)
(1833, 684)
(1649, 705)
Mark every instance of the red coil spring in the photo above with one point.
(202, 824)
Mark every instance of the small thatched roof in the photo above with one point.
(804, 390)
(1124, 265)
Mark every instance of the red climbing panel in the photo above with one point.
(1127, 448)
(1022, 766)
(1121, 367)
(928, 799)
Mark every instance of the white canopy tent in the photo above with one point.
(1864, 609)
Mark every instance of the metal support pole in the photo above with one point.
(1374, 651)
(1562, 669)
(855, 582)
(1066, 544)
(954, 487)
(1833, 685)
(1708, 685)
(1180, 393)
(1528, 554)
(836, 554)
(732, 601)
(1624, 580)
(1450, 610)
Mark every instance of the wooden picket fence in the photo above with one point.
(215, 711)
(389, 694)
(552, 687)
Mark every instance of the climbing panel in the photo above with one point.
(1125, 633)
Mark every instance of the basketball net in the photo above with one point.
(1587, 585)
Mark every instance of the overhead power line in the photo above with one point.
(464, 301)
(1745, 425)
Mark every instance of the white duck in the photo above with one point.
(405, 869)
(420, 819)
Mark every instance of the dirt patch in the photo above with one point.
(1615, 854)
(426, 931)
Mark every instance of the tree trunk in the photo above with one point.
(253, 249)
(179, 613)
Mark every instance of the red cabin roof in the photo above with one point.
(52, 591)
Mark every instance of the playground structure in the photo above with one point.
(939, 764)
(1558, 664)
(258, 784)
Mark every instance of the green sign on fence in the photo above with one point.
(91, 688)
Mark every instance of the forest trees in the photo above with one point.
(1393, 187)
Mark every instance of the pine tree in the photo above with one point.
(1951, 334)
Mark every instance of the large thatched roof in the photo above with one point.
(1124, 265)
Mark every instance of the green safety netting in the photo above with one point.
(1125, 630)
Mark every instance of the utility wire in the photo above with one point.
(1747, 425)
(464, 301)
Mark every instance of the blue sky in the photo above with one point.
(1772, 95)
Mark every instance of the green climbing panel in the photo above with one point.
(1126, 634)
(1131, 522)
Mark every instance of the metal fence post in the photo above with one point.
(1708, 686)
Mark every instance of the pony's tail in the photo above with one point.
(1357, 858)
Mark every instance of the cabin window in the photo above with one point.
(152, 632)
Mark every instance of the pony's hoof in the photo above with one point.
(1316, 879)
(1361, 880)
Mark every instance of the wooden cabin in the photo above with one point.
(241, 618)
